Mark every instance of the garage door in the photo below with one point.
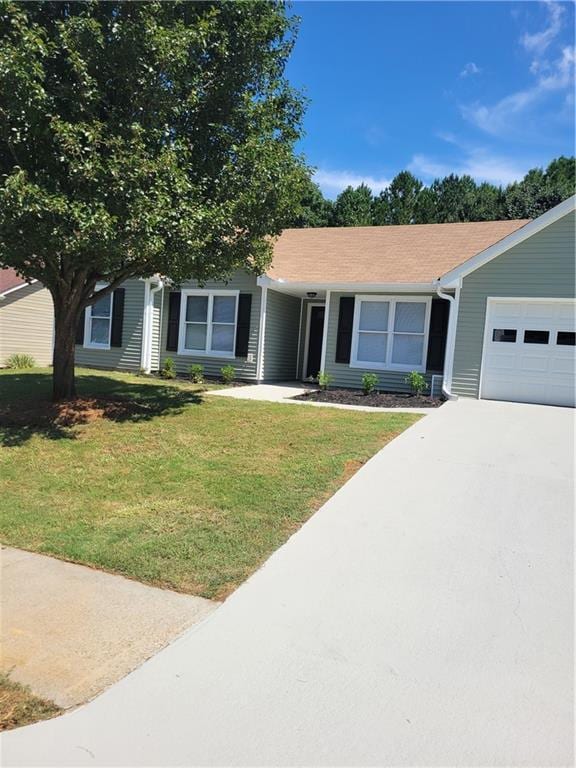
(529, 352)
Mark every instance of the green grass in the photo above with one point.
(19, 706)
(193, 494)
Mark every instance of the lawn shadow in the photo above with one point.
(26, 409)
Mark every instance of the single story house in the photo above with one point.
(26, 318)
(481, 309)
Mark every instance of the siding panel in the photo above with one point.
(27, 324)
(541, 267)
(281, 336)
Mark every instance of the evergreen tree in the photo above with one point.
(353, 207)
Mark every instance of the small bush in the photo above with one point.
(228, 374)
(169, 369)
(324, 380)
(20, 361)
(196, 373)
(417, 382)
(369, 383)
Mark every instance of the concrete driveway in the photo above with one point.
(422, 617)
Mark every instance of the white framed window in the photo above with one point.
(390, 332)
(208, 323)
(98, 322)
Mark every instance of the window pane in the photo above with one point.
(224, 310)
(566, 338)
(195, 336)
(407, 349)
(410, 316)
(536, 337)
(372, 347)
(99, 333)
(374, 315)
(102, 307)
(196, 309)
(504, 334)
(222, 338)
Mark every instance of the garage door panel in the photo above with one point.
(524, 358)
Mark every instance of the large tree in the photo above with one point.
(353, 207)
(142, 138)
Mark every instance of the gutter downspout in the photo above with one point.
(450, 340)
(146, 359)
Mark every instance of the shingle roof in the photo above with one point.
(9, 279)
(413, 253)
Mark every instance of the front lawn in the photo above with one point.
(19, 706)
(182, 490)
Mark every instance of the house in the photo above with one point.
(482, 309)
(26, 318)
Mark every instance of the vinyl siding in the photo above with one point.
(157, 311)
(303, 323)
(246, 368)
(344, 375)
(128, 356)
(281, 336)
(541, 267)
(27, 324)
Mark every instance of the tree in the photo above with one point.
(541, 190)
(403, 194)
(314, 210)
(488, 203)
(381, 209)
(142, 138)
(353, 207)
(425, 208)
(455, 198)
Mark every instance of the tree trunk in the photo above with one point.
(63, 383)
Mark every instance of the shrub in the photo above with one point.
(196, 373)
(369, 383)
(417, 382)
(324, 380)
(169, 370)
(228, 374)
(20, 361)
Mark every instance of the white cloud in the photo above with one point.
(333, 182)
(470, 69)
(478, 162)
(538, 42)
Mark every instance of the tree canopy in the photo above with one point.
(138, 138)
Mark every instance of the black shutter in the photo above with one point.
(117, 317)
(80, 328)
(173, 321)
(438, 331)
(243, 324)
(344, 337)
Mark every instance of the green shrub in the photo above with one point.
(196, 373)
(20, 361)
(169, 370)
(417, 382)
(369, 383)
(324, 380)
(228, 374)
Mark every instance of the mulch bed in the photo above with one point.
(375, 399)
(70, 413)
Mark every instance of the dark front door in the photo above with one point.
(315, 341)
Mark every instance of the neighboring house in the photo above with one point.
(26, 318)
(487, 308)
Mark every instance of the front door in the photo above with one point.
(315, 333)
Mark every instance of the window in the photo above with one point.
(390, 333)
(536, 337)
(566, 338)
(98, 322)
(208, 323)
(504, 334)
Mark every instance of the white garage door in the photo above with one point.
(529, 352)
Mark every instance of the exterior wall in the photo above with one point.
(344, 375)
(542, 266)
(27, 324)
(246, 368)
(156, 324)
(281, 336)
(304, 318)
(128, 356)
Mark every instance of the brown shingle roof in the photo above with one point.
(9, 279)
(413, 253)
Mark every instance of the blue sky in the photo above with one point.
(485, 88)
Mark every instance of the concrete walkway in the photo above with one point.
(284, 392)
(69, 632)
(423, 617)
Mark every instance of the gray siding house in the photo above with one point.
(26, 319)
(481, 309)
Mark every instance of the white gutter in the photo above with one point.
(149, 292)
(450, 340)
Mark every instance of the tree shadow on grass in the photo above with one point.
(26, 409)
